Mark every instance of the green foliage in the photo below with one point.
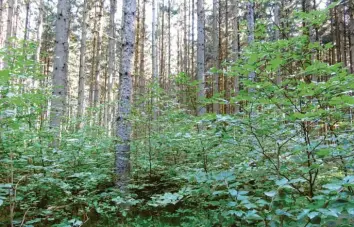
(285, 159)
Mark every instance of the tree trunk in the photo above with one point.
(60, 64)
(235, 50)
(162, 43)
(82, 71)
(97, 89)
(136, 53)
(153, 41)
(250, 27)
(226, 81)
(1, 28)
(111, 61)
(125, 89)
(351, 35)
(200, 56)
(169, 41)
(142, 53)
(277, 33)
(215, 52)
(10, 23)
(39, 30)
(25, 36)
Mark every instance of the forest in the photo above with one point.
(176, 113)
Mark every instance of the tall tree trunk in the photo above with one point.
(1, 27)
(153, 41)
(136, 53)
(10, 23)
(185, 42)
(277, 32)
(351, 35)
(192, 44)
(142, 52)
(125, 95)
(60, 64)
(93, 61)
(82, 71)
(169, 40)
(111, 60)
(235, 49)
(26, 32)
(226, 81)
(250, 28)
(162, 63)
(215, 52)
(39, 30)
(97, 89)
(200, 56)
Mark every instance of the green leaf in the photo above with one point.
(271, 193)
(333, 187)
(281, 182)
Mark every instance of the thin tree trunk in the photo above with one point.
(192, 44)
(185, 42)
(277, 33)
(82, 71)
(215, 52)
(93, 61)
(250, 27)
(136, 53)
(162, 64)
(111, 61)
(153, 41)
(226, 81)
(125, 89)
(26, 33)
(1, 27)
(200, 56)
(39, 30)
(351, 35)
(60, 64)
(235, 50)
(169, 41)
(97, 89)
(142, 52)
(10, 24)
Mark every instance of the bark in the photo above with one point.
(250, 27)
(111, 60)
(39, 30)
(169, 39)
(226, 80)
(200, 56)
(235, 50)
(125, 89)
(162, 41)
(97, 89)
(153, 41)
(277, 32)
(10, 24)
(185, 42)
(341, 33)
(215, 52)
(1, 28)
(142, 47)
(60, 64)
(136, 53)
(82, 71)
(93, 61)
(193, 51)
(351, 35)
(25, 37)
